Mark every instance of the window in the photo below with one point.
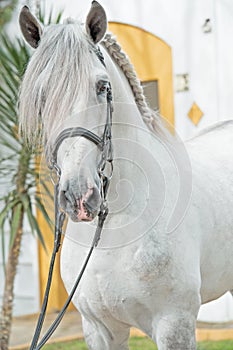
(152, 94)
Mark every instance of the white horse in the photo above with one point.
(167, 242)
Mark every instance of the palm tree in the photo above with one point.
(19, 172)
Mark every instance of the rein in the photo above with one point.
(105, 145)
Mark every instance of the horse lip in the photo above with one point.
(90, 212)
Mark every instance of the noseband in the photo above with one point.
(104, 143)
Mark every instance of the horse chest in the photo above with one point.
(119, 279)
(125, 283)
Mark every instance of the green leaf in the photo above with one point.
(10, 70)
(10, 85)
(50, 16)
(34, 226)
(7, 210)
(12, 146)
(41, 16)
(4, 126)
(58, 19)
(42, 209)
(8, 101)
(25, 200)
(4, 53)
(10, 105)
(47, 192)
(11, 50)
(8, 97)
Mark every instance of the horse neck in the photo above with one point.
(135, 147)
(154, 165)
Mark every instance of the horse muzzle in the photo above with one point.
(81, 207)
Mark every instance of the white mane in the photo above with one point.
(59, 71)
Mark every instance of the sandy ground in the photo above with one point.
(23, 328)
(71, 328)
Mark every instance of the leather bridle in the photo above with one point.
(104, 143)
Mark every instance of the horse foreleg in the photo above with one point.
(100, 337)
(175, 331)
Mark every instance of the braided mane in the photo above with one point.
(151, 118)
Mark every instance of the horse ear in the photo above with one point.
(30, 27)
(96, 23)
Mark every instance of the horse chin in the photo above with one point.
(77, 217)
(85, 217)
(83, 214)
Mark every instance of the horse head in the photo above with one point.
(66, 77)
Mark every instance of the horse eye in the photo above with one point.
(102, 87)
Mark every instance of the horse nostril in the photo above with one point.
(92, 202)
(67, 197)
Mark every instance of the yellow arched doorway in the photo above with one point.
(152, 60)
